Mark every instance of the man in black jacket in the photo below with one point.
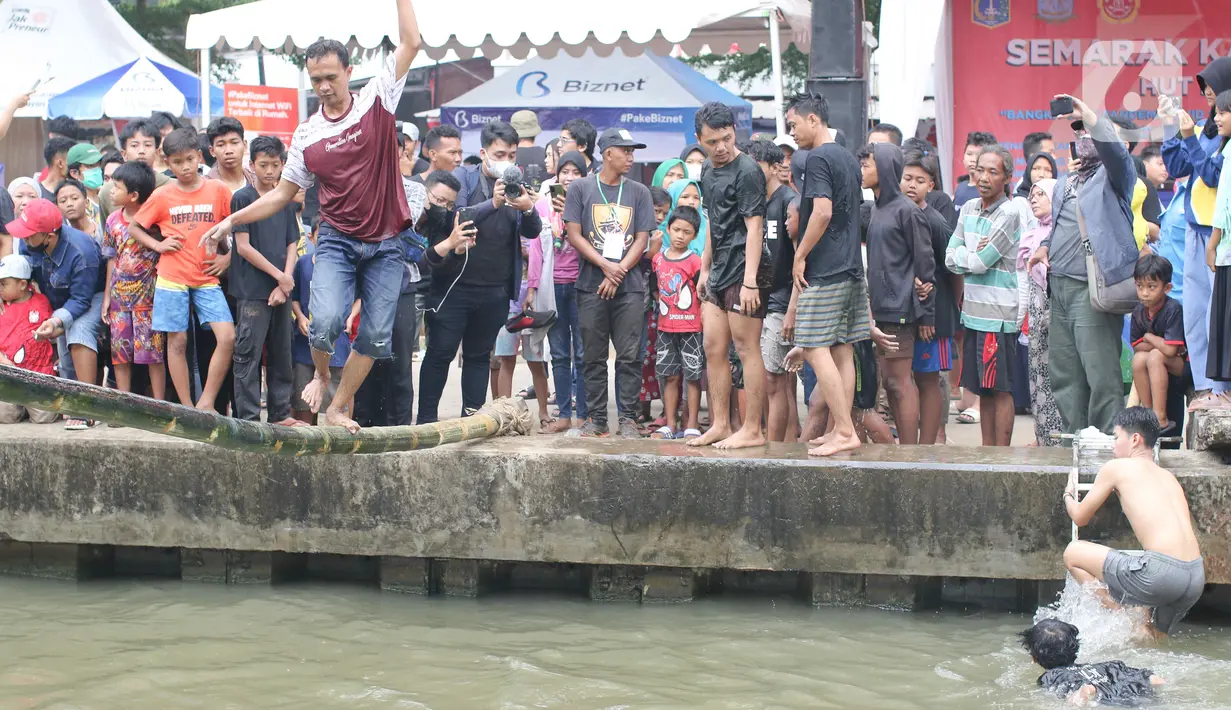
(470, 292)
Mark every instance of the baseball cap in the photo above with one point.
(617, 138)
(526, 123)
(785, 141)
(411, 130)
(41, 216)
(15, 266)
(85, 154)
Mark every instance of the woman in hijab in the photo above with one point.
(667, 173)
(693, 158)
(688, 192)
(565, 336)
(1194, 152)
(1038, 316)
(12, 205)
(1039, 167)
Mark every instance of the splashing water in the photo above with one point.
(1104, 632)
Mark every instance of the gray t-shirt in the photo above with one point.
(1066, 254)
(612, 213)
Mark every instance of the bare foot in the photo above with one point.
(824, 438)
(836, 445)
(742, 439)
(206, 405)
(1164, 424)
(290, 421)
(314, 393)
(713, 436)
(335, 417)
(559, 426)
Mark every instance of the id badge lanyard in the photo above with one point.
(613, 250)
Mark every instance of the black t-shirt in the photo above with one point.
(781, 248)
(1115, 684)
(731, 193)
(832, 172)
(490, 259)
(1152, 208)
(270, 237)
(7, 209)
(421, 165)
(943, 204)
(947, 313)
(1167, 323)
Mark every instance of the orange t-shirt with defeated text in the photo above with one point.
(186, 216)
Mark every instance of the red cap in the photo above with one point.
(40, 217)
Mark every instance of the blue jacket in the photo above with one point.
(1197, 156)
(1171, 240)
(1106, 202)
(70, 275)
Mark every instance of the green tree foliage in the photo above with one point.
(163, 25)
(744, 69)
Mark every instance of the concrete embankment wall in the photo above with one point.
(461, 516)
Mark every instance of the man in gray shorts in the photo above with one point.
(1169, 575)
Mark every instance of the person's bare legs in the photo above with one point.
(503, 382)
(838, 393)
(718, 369)
(85, 363)
(746, 332)
(903, 397)
(694, 404)
(353, 373)
(792, 409)
(671, 400)
(874, 427)
(844, 359)
(777, 389)
(219, 363)
(996, 424)
(1085, 560)
(1160, 368)
(931, 404)
(177, 365)
(538, 375)
(123, 376)
(158, 380)
(818, 417)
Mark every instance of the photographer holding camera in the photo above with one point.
(470, 294)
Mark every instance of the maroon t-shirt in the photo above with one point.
(355, 159)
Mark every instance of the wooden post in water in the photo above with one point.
(504, 416)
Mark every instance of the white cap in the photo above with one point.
(786, 142)
(411, 129)
(15, 266)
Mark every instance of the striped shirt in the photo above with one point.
(990, 302)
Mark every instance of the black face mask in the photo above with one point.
(436, 219)
(40, 249)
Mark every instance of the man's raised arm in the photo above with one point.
(265, 207)
(409, 40)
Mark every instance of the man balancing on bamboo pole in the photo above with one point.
(350, 147)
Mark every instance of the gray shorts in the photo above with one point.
(1170, 587)
(774, 348)
(833, 314)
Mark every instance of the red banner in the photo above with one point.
(264, 110)
(1010, 57)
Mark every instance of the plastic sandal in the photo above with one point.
(663, 432)
(77, 425)
(970, 416)
(688, 434)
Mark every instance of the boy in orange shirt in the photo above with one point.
(183, 211)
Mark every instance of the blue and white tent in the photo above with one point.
(135, 90)
(84, 54)
(655, 98)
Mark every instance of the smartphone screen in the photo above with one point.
(558, 190)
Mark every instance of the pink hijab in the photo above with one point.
(1029, 243)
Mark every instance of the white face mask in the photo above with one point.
(497, 168)
(693, 170)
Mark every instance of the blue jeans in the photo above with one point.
(1198, 290)
(471, 317)
(566, 354)
(342, 263)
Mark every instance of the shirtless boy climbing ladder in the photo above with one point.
(1169, 575)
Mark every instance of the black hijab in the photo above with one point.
(1023, 190)
(1217, 76)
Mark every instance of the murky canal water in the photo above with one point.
(133, 645)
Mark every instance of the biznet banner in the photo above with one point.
(1010, 57)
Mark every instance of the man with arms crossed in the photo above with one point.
(735, 274)
(350, 146)
(1169, 574)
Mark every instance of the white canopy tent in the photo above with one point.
(491, 27)
(914, 42)
(67, 41)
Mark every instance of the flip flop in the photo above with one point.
(77, 425)
(970, 416)
(663, 432)
(688, 434)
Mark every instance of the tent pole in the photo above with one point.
(205, 98)
(775, 60)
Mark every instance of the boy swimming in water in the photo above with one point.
(1169, 575)
(1053, 644)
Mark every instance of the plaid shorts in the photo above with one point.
(680, 352)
